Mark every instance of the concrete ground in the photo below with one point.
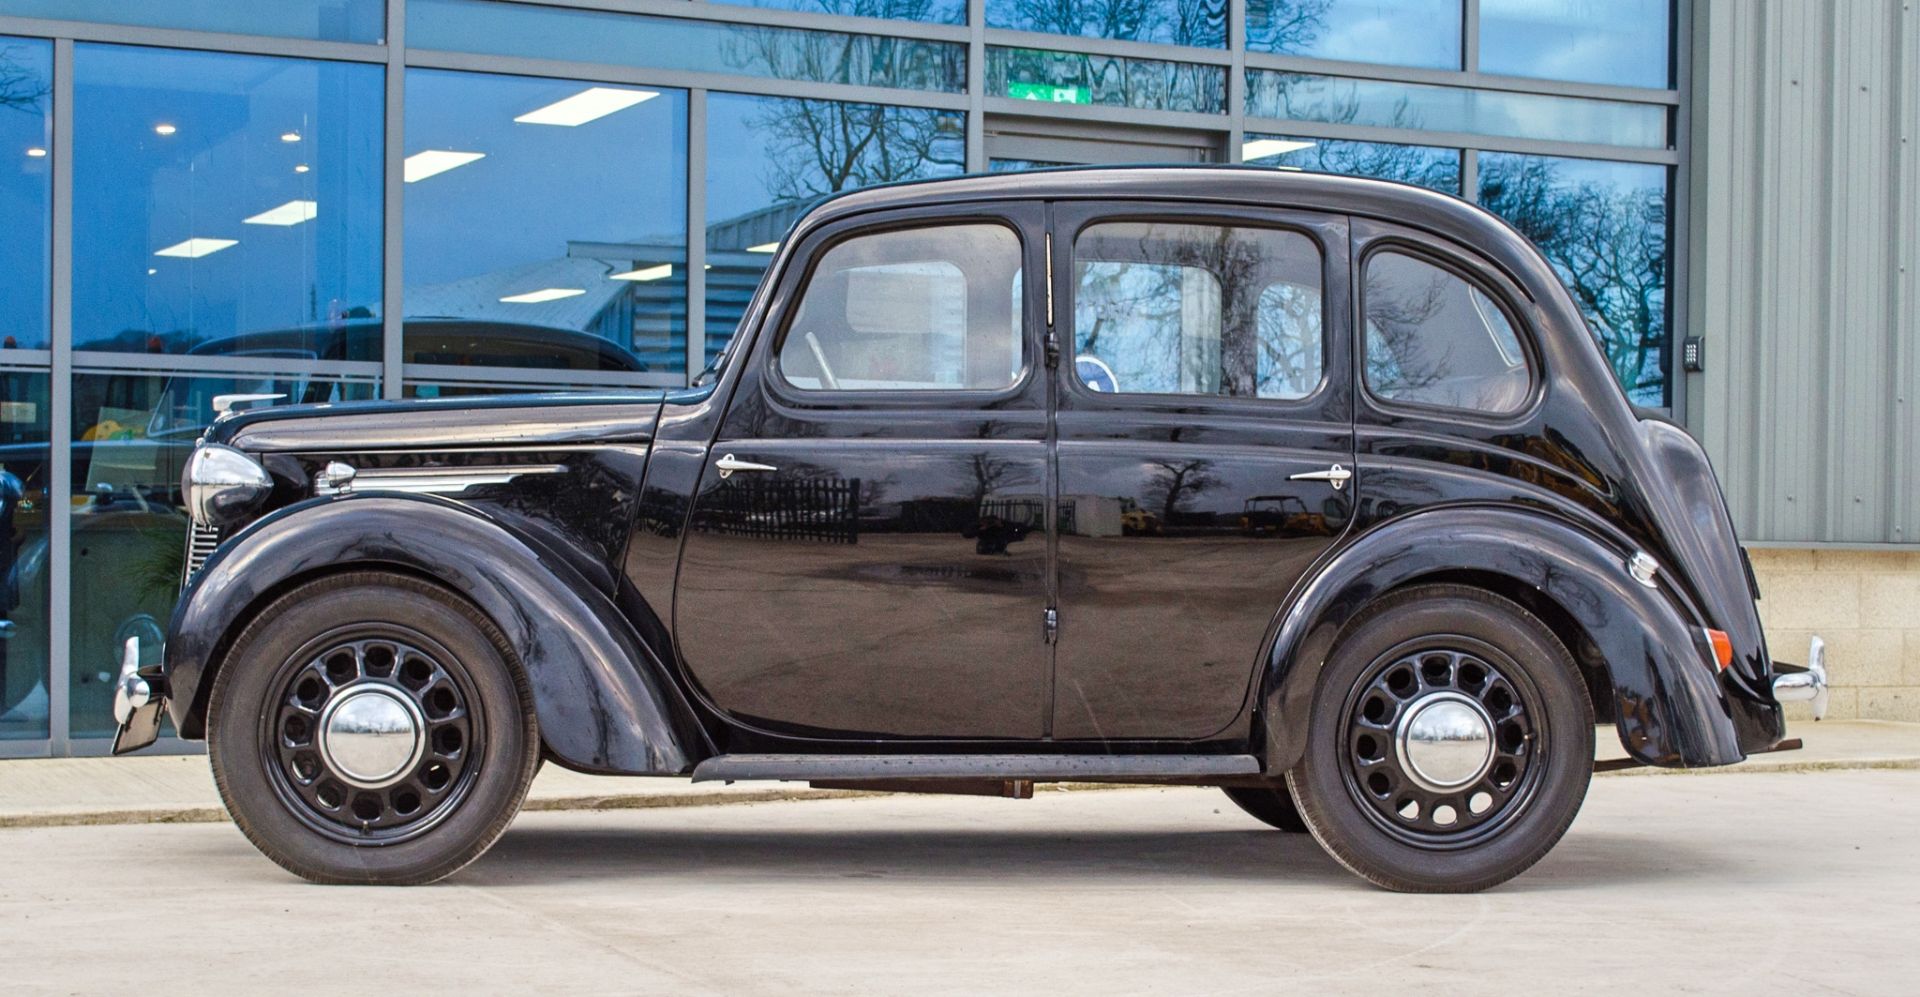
(1664, 884)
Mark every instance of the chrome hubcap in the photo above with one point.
(372, 736)
(1445, 741)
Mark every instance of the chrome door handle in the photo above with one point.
(1336, 476)
(729, 464)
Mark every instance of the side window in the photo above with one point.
(1174, 308)
(927, 309)
(1433, 338)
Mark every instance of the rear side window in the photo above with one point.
(927, 309)
(1187, 309)
(1433, 338)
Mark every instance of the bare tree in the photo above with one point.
(1609, 245)
(1176, 480)
(21, 88)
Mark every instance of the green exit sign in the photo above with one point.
(1050, 94)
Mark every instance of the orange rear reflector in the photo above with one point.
(1722, 648)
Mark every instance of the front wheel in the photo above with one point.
(1451, 742)
(370, 728)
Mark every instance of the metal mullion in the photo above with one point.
(685, 79)
(25, 748)
(1236, 79)
(1470, 174)
(393, 208)
(60, 419)
(102, 362)
(1460, 80)
(1470, 36)
(39, 359)
(1082, 45)
(977, 161)
(1679, 204)
(696, 232)
(1462, 140)
(538, 378)
(770, 17)
(124, 34)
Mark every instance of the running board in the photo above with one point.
(1040, 768)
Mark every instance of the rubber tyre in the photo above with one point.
(241, 692)
(1273, 807)
(1337, 821)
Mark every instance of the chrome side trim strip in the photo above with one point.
(434, 480)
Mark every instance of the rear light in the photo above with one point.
(1722, 647)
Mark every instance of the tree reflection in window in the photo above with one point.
(1604, 228)
(1432, 338)
(769, 156)
(1199, 309)
(1169, 22)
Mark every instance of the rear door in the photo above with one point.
(1205, 427)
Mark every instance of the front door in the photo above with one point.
(1204, 422)
(868, 545)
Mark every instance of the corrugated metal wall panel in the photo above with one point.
(1804, 228)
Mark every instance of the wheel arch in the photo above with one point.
(602, 697)
(1635, 645)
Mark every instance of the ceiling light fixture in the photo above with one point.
(544, 294)
(290, 137)
(765, 247)
(194, 248)
(585, 106)
(433, 162)
(36, 153)
(301, 168)
(290, 213)
(164, 129)
(645, 273)
(1261, 148)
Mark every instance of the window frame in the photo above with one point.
(1453, 260)
(793, 272)
(1312, 225)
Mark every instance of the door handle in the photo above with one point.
(729, 464)
(1336, 476)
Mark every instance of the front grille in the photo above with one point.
(201, 540)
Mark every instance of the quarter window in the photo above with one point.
(1435, 339)
(1172, 308)
(930, 309)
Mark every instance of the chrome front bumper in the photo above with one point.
(137, 702)
(1794, 684)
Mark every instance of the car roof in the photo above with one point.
(1251, 186)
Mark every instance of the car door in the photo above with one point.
(867, 554)
(1205, 429)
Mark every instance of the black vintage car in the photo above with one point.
(893, 541)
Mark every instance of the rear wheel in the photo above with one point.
(370, 728)
(1272, 806)
(1451, 742)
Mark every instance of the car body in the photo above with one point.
(1290, 539)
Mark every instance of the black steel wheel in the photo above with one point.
(1451, 742)
(372, 728)
(1440, 741)
(377, 733)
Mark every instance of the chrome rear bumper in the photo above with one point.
(1795, 684)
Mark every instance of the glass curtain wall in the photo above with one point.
(269, 204)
